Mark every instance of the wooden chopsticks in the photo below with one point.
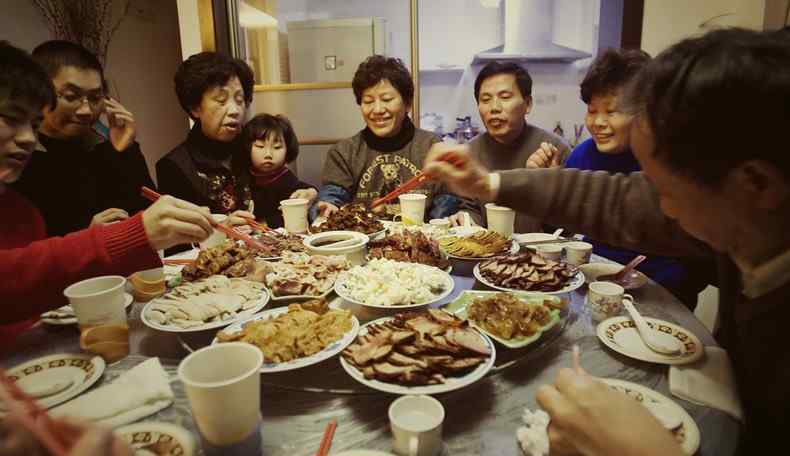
(416, 181)
(151, 195)
(326, 441)
(26, 411)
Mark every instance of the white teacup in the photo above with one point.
(500, 219)
(605, 300)
(217, 237)
(98, 301)
(550, 251)
(223, 384)
(412, 206)
(295, 214)
(416, 423)
(578, 253)
(441, 225)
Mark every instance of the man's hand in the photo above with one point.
(110, 215)
(468, 179)
(547, 156)
(326, 209)
(596, 420)
(122, 124)
(460, 218)
(171, 221)
(305, 193)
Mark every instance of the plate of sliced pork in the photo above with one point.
(528, 272)
(428, 352)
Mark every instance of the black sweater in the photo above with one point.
(267, 197)
(74, 180)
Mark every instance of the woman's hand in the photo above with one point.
(326, 209)
(305, 193)
(238, 218)
(598, 421)
(468, 179)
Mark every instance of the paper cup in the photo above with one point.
(217, 237)
(605, 300)
(412, 206)
(500, 219)
(295, 214)
(416, 423)
(223, 385)
(550, 251)
(578, 253)
(100, 307)
(442, 226)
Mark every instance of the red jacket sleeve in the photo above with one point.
(32, 278)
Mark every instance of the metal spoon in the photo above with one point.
(622, 276)
(656, 341)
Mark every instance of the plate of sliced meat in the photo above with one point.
(428, 352)
(528, 272)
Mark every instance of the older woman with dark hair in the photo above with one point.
(609, 150)
(215, 91)
(388, 151)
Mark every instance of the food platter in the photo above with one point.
(451, 383)
(573, 284)
(459, 308)
(328, 352)
(306, 273)
(514, 247)
(620, 334)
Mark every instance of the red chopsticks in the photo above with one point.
(416, 181)
(151, 195)
(255, 225)
(326, 441)
(26, 411)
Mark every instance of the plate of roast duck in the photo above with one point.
(351, 217)
(528, 271)
(427, 352)
(409, 247)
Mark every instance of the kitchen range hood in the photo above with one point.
(528, 36)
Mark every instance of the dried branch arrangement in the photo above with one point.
(86, 22)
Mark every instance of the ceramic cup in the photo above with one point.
(550, 251)
(100, 307)
(412, 207)
(295, 214)
(500, 219)
(416, 423)
(217, 237)
(605, 300)
(442, 225)
(223, 385)
(578, 253)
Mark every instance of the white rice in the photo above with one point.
(384, 282)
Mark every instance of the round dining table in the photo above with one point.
(481, 418)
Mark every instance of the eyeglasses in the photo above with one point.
(95, 100)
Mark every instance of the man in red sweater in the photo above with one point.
(34, 270)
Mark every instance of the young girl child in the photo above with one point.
(270, 143)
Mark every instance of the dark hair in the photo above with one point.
(612, 70)
(689, 93)
(264, 126)
(377, 68)
(523, 79)
(203, 71)
(56, 54)
(23, 80)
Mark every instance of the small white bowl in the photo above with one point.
(525, 238)
(354, 246)
(594, 270)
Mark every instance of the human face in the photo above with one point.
(503, 107)
(268, 154)
(80, 103)
(608, 126)
(18, 125)
(707, 213)
(221, 111)
(383, 109)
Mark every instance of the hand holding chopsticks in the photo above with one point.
(416, 181)
(326, 441)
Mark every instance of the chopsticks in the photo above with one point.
(254, 223)
(26, 411)
(326, 441)
(151, 195)
(176, 262)
(416, 181)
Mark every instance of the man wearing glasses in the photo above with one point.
(88, 174)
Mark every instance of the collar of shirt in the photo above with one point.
(767, 277)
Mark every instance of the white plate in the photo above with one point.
(286, 298)
(574, 283)
(459, 305)
(362, 453)
(450, 384)
(688, 434)
(620, 334)
(340, 289)
(594, 270)
(178, 440)
(329, 351)
(212, 325)
(514, 248)
(65, 374)
(128, 299)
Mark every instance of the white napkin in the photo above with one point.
(710, 382)
(142, 391)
